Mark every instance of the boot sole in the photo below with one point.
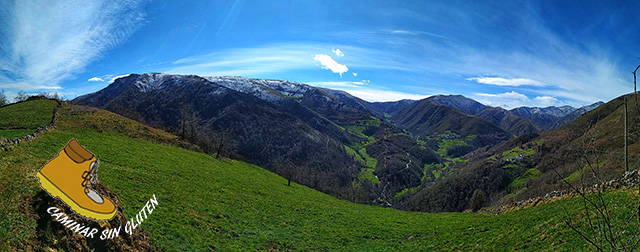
(56, 193)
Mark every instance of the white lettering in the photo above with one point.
(128, 228)
(93, 231)
(85, 231)
(66, 221)
(133, 224)
(154, 203)
(142, 211)
(104, 234)
(89, 232)
(77, 227)
(57, 215)
(115, 232)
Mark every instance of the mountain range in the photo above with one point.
(326, 139)
(518, 121)
(533, 165)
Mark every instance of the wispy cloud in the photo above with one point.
(339, 84)
(413, 32)
(509, 100)
(514, 82)
(533, 59)
(329, 63)
(361, 90)
(249, 62)
(47, 42)
(378, 95)
(508, 95)
(548, 67)
(26, 86)
(95, 79)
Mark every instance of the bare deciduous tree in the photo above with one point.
(223, 142)
(21, 96)
(3, 98)
(189, 123)
(605, 222)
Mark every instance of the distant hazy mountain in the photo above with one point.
(499, 116)
(543, 117)
(426, 117)
(384, 109)
(458, 102)
(518, 121)
(573, 115)
(508, 121)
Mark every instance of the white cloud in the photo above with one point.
(362, 91)
(355, 74)
(329, 63)
(337, 52)
(119, 76)
(377, 95)
(509, 100)
(47, 42)
(508, 95)
(575, 72)
(108, 77)
(498, 81)
(546, 101)
(339, 84)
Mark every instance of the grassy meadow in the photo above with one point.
(206, 203)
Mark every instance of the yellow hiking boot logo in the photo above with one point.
(70, 176)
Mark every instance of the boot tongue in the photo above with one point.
(93, 195)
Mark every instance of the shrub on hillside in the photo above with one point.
(477, 200)
(459, 151)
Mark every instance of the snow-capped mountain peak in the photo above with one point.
(151, 81)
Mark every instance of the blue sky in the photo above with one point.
(501, 53)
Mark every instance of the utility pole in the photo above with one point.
(635, 92)
(626, 145)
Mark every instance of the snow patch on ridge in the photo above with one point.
(149, 82)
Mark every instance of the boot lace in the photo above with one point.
(90, 177)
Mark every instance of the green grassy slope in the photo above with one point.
(30, 114)
(21, 119)
(206, 203)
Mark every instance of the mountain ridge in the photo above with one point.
(302, 132)
(518, 121)
(535, 164)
